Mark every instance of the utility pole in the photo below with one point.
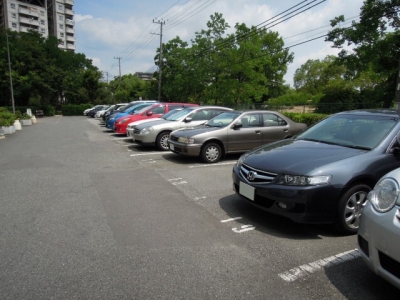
(397, 94)
(160, 60)
(119, 65)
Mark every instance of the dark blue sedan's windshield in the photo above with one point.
(360, 131)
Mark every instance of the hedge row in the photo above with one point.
(308, 118)
(75, 109)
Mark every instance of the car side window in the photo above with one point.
(250, 120)
(201, 115)
(271, 120)
(158, 110)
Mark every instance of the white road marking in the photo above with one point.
(244, 228)
(213, 165)
(174, 179)
(179, 182)
(199, 198)
(304, 270)
(231, 219)
(149, 153)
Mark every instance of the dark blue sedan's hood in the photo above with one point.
(297, 156)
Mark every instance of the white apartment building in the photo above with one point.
(48, 17)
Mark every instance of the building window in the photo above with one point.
(60, 7)
(13, 15)
(14, 25)
(61, 34)
(12, 5)
(42, 22)
(43, 30)
(61, 18)
(61, 26)
(42, 12)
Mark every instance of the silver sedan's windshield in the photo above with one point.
(356, 131)
(223, 119)
(179, 115)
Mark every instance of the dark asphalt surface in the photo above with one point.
(81, 219)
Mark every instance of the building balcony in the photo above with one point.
(70, 30)
(69, 12)
(70, 2)
(27, 29)
(30, 21)
(29, 12)
(71, 46)
(70, 38)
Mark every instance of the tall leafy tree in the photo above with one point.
(375, 55)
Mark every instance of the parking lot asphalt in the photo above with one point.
(86, 214)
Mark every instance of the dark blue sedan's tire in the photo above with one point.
(350, 208)
(211, 153)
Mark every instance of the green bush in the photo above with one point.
(307, 118)
(7, 118)
(75, 109)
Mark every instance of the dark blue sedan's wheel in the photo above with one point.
(351, 205)
(211, 153)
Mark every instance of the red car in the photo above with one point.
(156, 110)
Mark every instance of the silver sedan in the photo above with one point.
(233, 132)
(379, 231)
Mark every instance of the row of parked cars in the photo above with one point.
(342, 170)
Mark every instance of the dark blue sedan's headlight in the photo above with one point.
(298, 180)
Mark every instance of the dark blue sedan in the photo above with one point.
(324, 174)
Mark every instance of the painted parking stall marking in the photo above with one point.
(307, 269)
(213, 165)
(147, 153)
(177, 181)
(241, 229)
(231, 219)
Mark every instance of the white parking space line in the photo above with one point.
(199, 198)
(243, 228)
(231, 219)
(149, 153)
(304, 270)
(213, 165)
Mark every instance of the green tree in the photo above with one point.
(375, 39)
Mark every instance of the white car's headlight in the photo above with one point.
(303, 180)
(385, 194)
(146, 130)
(185, 140)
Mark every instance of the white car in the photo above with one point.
(131, 126)
(89, 109)
(379, 231)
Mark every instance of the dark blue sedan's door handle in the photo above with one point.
(258, 131)
(285, 130)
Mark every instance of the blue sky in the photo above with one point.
(108, 29)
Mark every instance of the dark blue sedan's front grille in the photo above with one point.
(253, 175)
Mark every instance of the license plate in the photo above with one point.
(246, 190)
(171, 147)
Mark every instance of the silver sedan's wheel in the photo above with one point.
(211, 153)
(350, 208)
(162, 141)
